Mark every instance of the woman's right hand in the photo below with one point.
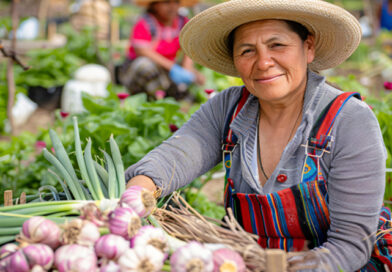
(142, 181)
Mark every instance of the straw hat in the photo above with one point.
(204, 38)
(184, 3)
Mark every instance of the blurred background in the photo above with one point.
(61, 58)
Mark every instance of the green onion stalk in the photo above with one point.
(102, 185)
(60, 212)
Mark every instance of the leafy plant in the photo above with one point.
(83, 44)
(137, 125)
(48, 68)
(349, 83)
(201, 203)
(382, 108)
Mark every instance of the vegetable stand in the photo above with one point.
(231, 236)
(99, 215)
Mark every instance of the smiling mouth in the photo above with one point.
(267, 79)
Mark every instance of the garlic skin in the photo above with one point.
(107, 205)
(80, 232)
(110, 267)
(93, 213)
(125, 222)
(38, 229)
(4, 262)
(5, 255)
(193, 257)
(75, 258)
(141, 200)
(111, 246)
(8, 249)
(228, 260)
(141, 259)
(34, 255)
(149, 235)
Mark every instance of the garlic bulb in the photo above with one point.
(139, 199)
(80, 232)
(110, 267)
(111, 246)
(228, 260)
(8, 249)
(75, 258)
(149, 235)
(5, 255)
(38, 229)
(125, 222)
(142, 259)
(193, 257)
(92, 213)
(34, 255)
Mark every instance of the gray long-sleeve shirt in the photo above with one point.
(355, 168)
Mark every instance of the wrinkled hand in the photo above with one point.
(180, 75)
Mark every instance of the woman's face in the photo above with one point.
(166, 11)
(272, 59)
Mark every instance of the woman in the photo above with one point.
(304, 170)
(152, 56)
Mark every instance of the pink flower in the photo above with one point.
(64, 114)
(208, 91)
(39, 145)
(173, 128)
(160, 94)
(53, 151)
(388, 85)
(122, 96)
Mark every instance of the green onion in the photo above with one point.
(118, 163)
(102, 173)
(80, 159)
(112, 177)
(9, 231)
(95, 186)
(74, 186)
(6, 239)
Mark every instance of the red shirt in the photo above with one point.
(165, 40)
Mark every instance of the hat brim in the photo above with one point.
(184, 3)
(204, 38)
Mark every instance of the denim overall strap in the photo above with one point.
(296, 217)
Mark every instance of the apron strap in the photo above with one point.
(320, 139)
(229, 139)
(320, 135)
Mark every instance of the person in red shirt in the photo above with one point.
(152, 60)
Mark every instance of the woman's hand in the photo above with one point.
(142, 181)
(181, 75)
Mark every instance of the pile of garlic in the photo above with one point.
(119, 240)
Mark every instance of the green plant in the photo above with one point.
(137, 125)
(349, 83)
(48, 68)
(200, 202)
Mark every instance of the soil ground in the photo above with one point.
(41, 118)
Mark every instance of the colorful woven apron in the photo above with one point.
(295, 218)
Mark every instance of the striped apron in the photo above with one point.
(296, 218)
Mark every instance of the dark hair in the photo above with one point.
(296, 27)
